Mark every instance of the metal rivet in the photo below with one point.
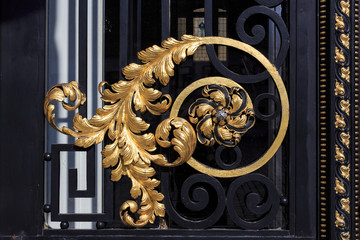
(100, 225)
(47, 156)
(284, 201)
(64, 225)
(47, 208)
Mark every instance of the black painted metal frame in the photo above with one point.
(22, 46)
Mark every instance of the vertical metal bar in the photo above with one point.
(124, 33)
(83, 8)
(138, 26)
(165, 19)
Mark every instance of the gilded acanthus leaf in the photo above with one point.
(345, 106)
(345, 7)
(339, 55)
(59, 93)
(345, 171)
(345, 73)
(345, 139)
(339, 89)
(339, 187)
(184, 140)
(345, 40)
(339, 22)
(339, 154)
(345, 204)
(339, 121)
(345, 235)
(340, 221)
(129, 153)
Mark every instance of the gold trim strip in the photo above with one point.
(323, 90)
(342, 120)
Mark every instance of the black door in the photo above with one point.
(216, 134)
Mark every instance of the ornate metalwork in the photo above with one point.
(228, 83)
(225, 114)
(342, 120)
(131, 151)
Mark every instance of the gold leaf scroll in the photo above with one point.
(184, 140)
(130, 151)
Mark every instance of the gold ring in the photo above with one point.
(216, 80)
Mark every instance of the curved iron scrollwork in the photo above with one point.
(269, 3)
(258, 36)
(132, 147)
(195, 196)
(264, 206)
(257, 197)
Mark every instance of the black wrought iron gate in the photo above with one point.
(241, 123)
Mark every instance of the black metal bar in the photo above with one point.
(124, 33)
(138, 25)
(175, 234)
(90, 177)
(165, 19)
(83, 45)
(90, 192)
(22, 88)
(305, 90)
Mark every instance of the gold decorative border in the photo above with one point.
(323, 115)
(342, 120)
(356, 118)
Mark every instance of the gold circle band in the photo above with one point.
(216, 80)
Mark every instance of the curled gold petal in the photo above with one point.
(345, 106)
(339, 121)
(345, 138)
(59, 93)
(236, 102)
(345, 7)
(340, 220)
(345, 73)
(339, 55)
(345, 171)
(339, 187)
(345, 235)
(339, 154)
(345, 204)
(184, 140)
(339, 89)
(339, 22)
(345, 40)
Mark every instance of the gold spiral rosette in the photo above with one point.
(132, 146)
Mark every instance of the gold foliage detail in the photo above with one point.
(345, 204)
(345, 138)
(339, 154)
(345, 7)
(339, 121)
(129, 153)
(339, 222)
(345, 235)
(345, 106)
(184, 141)
(59, 93)
(339, 55)
(345, 171)
(339, 89)
(345, 40)
(339, 22)
(339, 187)
(345, 73)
